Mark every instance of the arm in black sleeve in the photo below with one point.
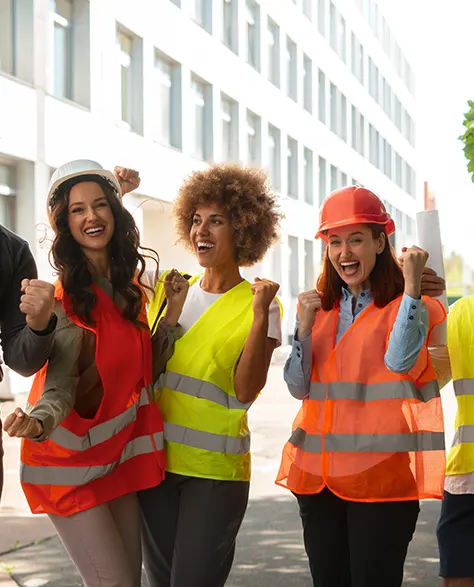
(24, 350)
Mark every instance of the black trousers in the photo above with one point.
(352, 544)
(189, 530)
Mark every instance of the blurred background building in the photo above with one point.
(317, 92)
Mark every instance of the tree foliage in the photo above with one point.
(468, 138)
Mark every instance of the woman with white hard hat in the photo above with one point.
(368, 442)
(92, 435)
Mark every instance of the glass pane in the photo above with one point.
(61, 61)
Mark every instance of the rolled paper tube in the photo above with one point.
(429, 239)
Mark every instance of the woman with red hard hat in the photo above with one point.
(368, 441)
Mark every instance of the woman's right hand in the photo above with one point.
(176, 291)
(21, 425)
(309, 303)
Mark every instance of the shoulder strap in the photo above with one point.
(163, 306)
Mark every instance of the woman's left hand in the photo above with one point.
(413, 261)
(129, 179)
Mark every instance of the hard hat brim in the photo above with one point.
(389, 225)
(102, 175)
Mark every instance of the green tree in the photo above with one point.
(468, 138)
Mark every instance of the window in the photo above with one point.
(387, 98)
(291, 69)
(342, 39)
(410, 180)
(274, 156)
(398, 170)
(125, 42)
(254, 133)
(357, 58)
(308, 9)
(343, 180)
(7, 196)
(253, 34)
(333, 17)
(201, 115)
(322, 96)
(292, 162)
(343, 134)
(398, 113)
(334, 178)
(374, 148)
(387, 159)
(308, 176)
(294, 266)
(333, 98)
(309, 278)
(201, 13)
(230, 22)
(307, 84)
(322, 17)
(373, 80)
(62, 27)
(167, 101)
(129, 54)
(230, 129)
(273, 36)
(322, 188)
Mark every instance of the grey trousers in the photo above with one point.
(189, 530)
(104, 542)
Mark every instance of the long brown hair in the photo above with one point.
(127, 264)
(386, 279)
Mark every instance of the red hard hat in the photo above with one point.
(353, 205)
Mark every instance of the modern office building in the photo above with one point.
(317, 92)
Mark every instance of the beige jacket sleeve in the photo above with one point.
(163, 346)
(62, 375)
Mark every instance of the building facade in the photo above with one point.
(317, 92)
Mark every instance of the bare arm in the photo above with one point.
(252, 370)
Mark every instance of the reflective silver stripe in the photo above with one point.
(410, 442)
(374, 391)
(309, 442)
(207, 440)
(317, 391)
(200, 389)
(100, 433)
(77, 476)
(464, 386)
(463, 434)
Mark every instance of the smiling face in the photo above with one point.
(353, 251)
(212, 237)
(90, 217)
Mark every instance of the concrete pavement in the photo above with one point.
(270, 550)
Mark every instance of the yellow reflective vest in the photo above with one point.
(205, 425)
(461, 353)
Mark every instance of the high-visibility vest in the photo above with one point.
(461, 354)
(366, 433)
(86, 462)
(205, 425)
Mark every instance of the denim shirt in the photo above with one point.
(405, 342)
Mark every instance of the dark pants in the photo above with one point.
(189, 530)
(351, 544)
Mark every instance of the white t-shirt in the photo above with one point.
(198, 301)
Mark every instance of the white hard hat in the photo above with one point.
(83, 170)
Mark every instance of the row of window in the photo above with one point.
(375, 83)
(378, 24)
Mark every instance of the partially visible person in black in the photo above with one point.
(27, 321)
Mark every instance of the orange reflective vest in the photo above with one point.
(86, 462)
(366, 433)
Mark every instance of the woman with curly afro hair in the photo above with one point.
(228, 217)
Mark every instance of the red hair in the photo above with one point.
(386, 279)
